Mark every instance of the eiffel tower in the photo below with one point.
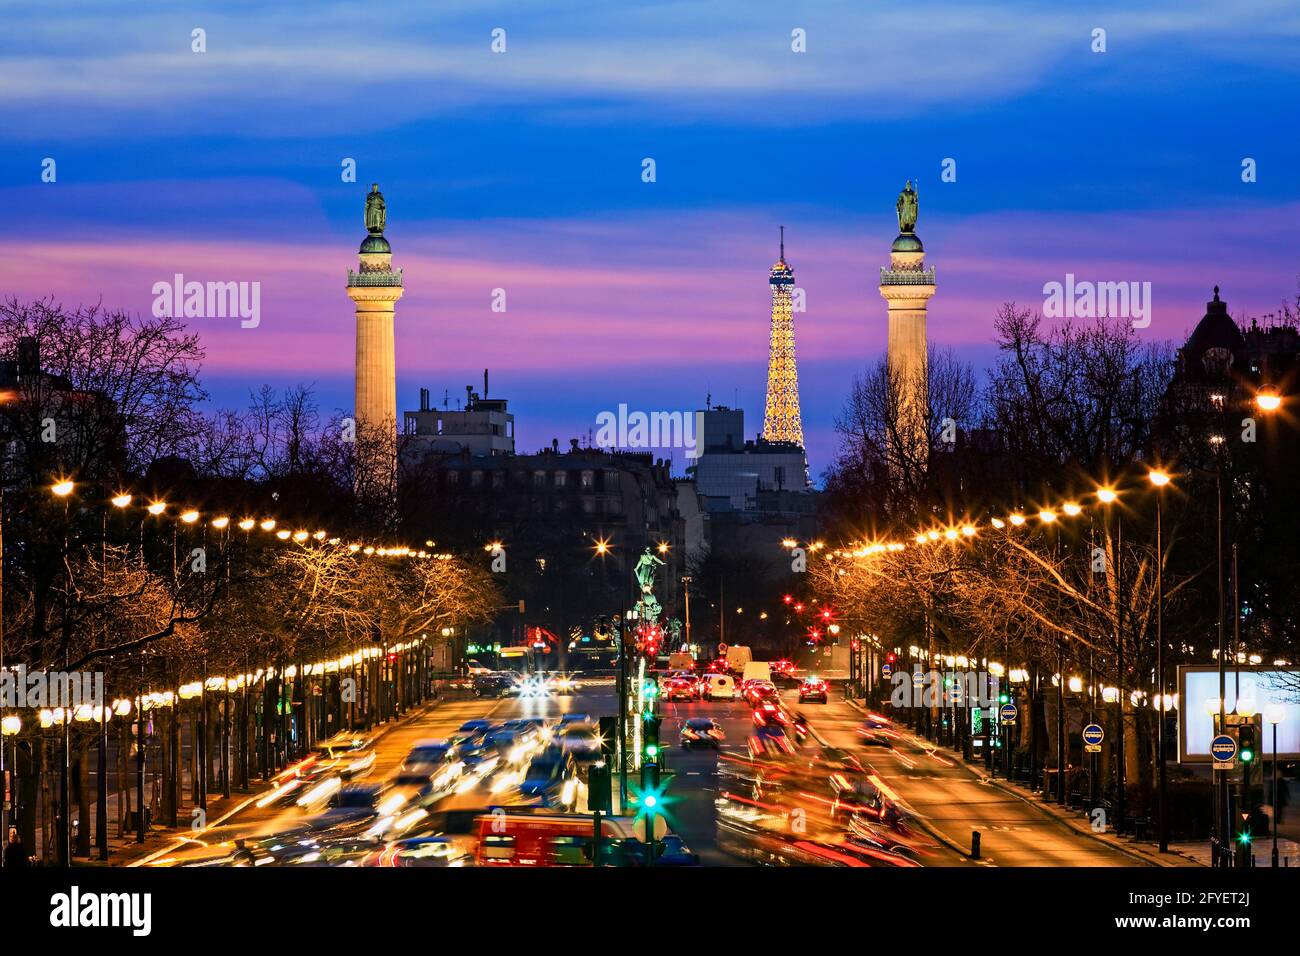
(781, 414)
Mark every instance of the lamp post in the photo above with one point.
(1274, 714)
(1160, 479)
(1108, 496)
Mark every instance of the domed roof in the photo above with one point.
(1216, 330)
(907, 242)
(375, 245)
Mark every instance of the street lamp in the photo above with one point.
(62, 488)
(1274, 714)
(1160, 479)
(1268, 400)
(1108, 496)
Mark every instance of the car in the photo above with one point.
(757, 690)
(474, 728)
(574, 717)
(424, 752)
(702, 732)
(495, 685)
(350, 755)
(813, 688)
(474, 668)
(681, 688)
(672, 851)
(581, 740)
(562, 684)
(353, 803)
(547, 774)
(420, 851)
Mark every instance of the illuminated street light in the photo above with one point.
(247, 524)
(221, 523)
(1046, 517)
(157, 507)
(268, 524)
(1158, 478)
(121, 501)
(1107, 495)
(62, 488)
(1268, 399)
(1017, 519)
(1071, 508)
(189, 517)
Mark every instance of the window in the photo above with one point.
(588, 506)
(476, 478)
(570, 851)
(539, 479)
(496, 847)
(498, 479)
(588, 479)
(561, 479)
(452, 478)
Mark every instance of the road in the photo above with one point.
(948, 799)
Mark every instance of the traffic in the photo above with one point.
(741, 772)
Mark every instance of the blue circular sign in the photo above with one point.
(1223, 748)
(1093, 734)
(1009, 711)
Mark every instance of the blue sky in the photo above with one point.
(522, 170)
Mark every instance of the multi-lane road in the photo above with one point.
(948, 800)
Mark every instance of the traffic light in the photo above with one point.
(600, 798)
(651, 758)
(608, 737)
(1247, 742)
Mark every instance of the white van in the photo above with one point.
(719, 687)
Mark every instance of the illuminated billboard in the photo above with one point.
(1270, 691)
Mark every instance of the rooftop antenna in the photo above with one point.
(783, 243)
(446, 398)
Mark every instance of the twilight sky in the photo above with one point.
(522, 170)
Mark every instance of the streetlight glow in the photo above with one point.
(189, 517)
(1268, 399)
(157, 507)
(1158, 478)
(62, 488)
(121, 501)
(1107, 495)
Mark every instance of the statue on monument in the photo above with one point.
(644, 571)
(907, 208)
(376, 211)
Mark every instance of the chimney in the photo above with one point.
(424, 399)
(485, 392)
(555, 446)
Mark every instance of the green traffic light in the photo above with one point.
(1004, 698)
(652, 751)
(650, 801)
(1244, 838)
(1247, 756)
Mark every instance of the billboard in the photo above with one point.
(1263, 687)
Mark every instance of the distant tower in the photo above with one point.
(781, 414)
(907, 287)
(375, 290)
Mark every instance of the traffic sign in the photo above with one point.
(722, 648)
(639, 827)
(887, 670)
(1009, 713)
(1223, 749)
(1093, 735)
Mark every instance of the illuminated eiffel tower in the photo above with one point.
(781, 414)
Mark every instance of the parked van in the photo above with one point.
(718, 687)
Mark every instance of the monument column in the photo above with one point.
(906, 287)
(375, 291)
